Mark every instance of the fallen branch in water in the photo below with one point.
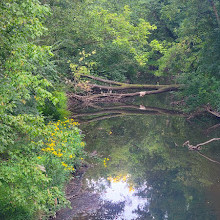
(101, 79)
(114, 97)
(198, 146)
(125, 86)
(113, 91)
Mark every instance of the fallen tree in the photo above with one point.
(96, 90)
(114, 91)
(126, 86)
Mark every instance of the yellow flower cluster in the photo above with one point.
(66, 166)
(57, 137)
(104, 161)
(71, 122)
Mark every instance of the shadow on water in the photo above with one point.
(143, 171)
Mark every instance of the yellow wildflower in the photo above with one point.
(64, 164)
(54, 152)
(51, 144)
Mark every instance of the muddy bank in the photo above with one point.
(83, 202)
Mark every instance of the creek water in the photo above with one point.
(141, 169)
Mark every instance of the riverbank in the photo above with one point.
(82, 201)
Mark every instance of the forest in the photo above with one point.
(58, 53)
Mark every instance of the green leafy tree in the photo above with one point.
(29, 185)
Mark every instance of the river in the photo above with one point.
(140, 168)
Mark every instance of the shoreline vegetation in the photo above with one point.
(50, 48)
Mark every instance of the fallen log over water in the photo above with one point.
(93, 93)
(122, 95)
(126, 86)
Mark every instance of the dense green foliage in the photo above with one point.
(36, 157)
(194, 56)
(139, 40)
(121, 44)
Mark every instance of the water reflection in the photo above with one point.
(166, 180)
(118, 197)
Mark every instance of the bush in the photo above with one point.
(33, 178)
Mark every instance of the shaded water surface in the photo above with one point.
(142, 171)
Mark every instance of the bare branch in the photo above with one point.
(119, 96)
(126, 86)
(102, 80)
(198, 146)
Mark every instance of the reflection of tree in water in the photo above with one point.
(104, 112)
(143, 214)
(149, 149)
(173, 204)
(109, 210)
(171, 199)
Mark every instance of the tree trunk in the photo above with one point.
(215, 11)
(113, 91)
